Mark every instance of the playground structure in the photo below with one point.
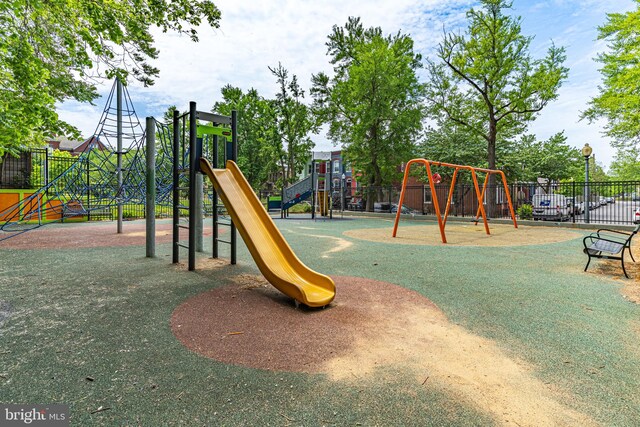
(98, 182)
(161, 166)
(442, 219)
(317, 186)
(269, 249)
(193, 142)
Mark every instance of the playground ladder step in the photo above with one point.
(186, 227)
(228, 224)
(183, 207)
(182, 245)
(223, 241)
(182, 188)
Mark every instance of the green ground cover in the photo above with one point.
(90, 328)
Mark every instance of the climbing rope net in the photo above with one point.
(89, 187)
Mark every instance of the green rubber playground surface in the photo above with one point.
(89, 326)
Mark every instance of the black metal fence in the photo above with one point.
(32, 169)
(613, 202)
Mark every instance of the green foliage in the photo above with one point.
(626, 165)
(597, 172)
(525, 211)
(618, 100)
(303, 207)
(373, 102)
(553, 159)
(52, 51)
(452, 143)
(294, 121)
(59, 162)
(487, 83)
(258, 146)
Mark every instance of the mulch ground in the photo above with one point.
(466, 234)
(252, 324)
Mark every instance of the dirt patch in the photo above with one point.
(90, 235)
(466, 234)
(631, 291)
(612, 269)
(372, 328)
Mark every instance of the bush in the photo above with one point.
(525, 212)
(303, 207)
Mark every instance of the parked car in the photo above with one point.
(382, 207)
(636, 216)
(611, 199)
(405, 210)
(602, 201)
(551, 206)
(356, 204)
(581, 205)
(578, 208)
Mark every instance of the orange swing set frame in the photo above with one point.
(442, 221)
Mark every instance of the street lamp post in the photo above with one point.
(342, 189)
(586, 152)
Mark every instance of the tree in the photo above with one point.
(258, 146)
(58, 162)
(373, 103)
(294, 121)
(553, 159)
(626, 165)
(488, 83)
(618, 100)
(52, 51)
(449, 142)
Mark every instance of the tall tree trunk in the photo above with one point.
(377, 174)
(490, 196)
(283, 169)
(370, 194)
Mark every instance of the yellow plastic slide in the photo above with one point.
(274, 257)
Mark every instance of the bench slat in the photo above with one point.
(606, 246)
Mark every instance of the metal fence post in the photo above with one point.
(150, 208)
(46, 170)
(573, 194)
(119, 154)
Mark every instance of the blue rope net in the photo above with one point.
(89, 186)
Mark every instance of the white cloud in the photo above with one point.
(255, 35)
(83, 116)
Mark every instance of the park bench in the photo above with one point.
(75, 209)
(609, 244)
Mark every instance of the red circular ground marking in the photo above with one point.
(254, 325)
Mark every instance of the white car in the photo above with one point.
(578, 207)
(554, 207)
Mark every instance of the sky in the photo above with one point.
(260, 34)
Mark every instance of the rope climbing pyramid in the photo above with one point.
(109, 173)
